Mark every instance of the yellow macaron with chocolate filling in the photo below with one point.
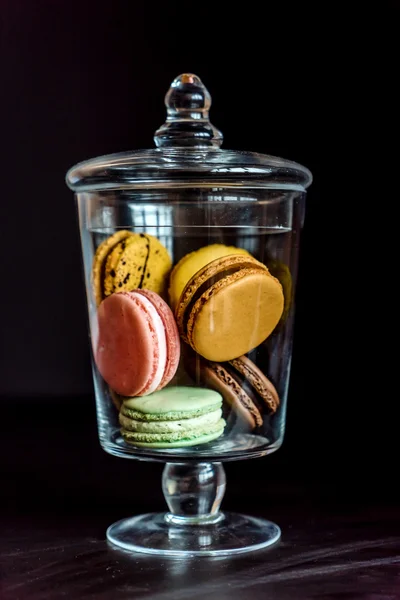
(229, 307)
(193, 262)
(100, 259)
(127, 261)
(125, 265)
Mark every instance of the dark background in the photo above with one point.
(80, 79)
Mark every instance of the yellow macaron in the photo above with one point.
(126, 264)
(100, 259)
(127, 261)
(193, 262)
(229, 307)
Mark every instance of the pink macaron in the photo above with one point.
(138, 346)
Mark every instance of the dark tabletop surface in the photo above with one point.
(354, 555)
(60, 491)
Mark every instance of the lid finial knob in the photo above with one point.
(188, 102)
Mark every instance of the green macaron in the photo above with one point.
(173, 417)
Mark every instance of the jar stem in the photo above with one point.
(194, 492)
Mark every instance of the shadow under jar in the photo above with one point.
(215, 234)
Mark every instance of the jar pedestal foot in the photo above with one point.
(194, 525)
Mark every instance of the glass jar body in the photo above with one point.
(264, 222)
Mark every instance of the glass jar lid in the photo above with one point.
(188, 154)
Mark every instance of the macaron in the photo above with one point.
(229, 307)
(125, 264)
(115, 399)
(244, 387)
(193, 262)
(138, 346)
(281, 271)
(173, 417)
(158, 267)
(127, 261)
(100, 259)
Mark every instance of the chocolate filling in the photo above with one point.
(261, 388)
(103, 268)
(145, 262)
(246, 386)
(103, 275)
(113, 273)
(243, 393)
(211, 281)
(205, 286)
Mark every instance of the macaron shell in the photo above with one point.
(127, 349)
(235, 315)
(126, 264)
(99, 261)
(175, 399)
(171, 334)
(260, 382)
(191, 263)
(177, 426)
(168, 416)
(129, 437)
(158, 267)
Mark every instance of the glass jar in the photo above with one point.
(194, 370)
